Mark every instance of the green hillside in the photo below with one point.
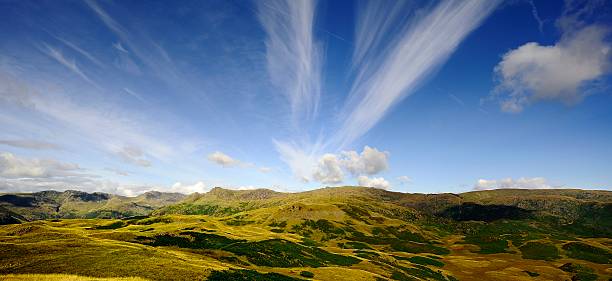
(78, 204)
(341, 233)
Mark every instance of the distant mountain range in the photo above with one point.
(77, 204)
(567, 205)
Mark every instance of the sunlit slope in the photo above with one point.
(344, 233)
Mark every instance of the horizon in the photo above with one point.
(125, 97)
(300, 191)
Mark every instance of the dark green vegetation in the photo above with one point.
(539, 251)
(344, 233)
(579, 272)
(587, 252)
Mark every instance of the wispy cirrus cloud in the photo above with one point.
(68, 63)
(402, 61)
(293, 55)
(30, 144)
(394, 53)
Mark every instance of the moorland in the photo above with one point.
(340, 233)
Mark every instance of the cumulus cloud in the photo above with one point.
(559, 72)
(222, 159)
(371, 161)
(373, 182)
(328, 169)
(12, 166)
(526, 183)
(133, 155)
(30, 144)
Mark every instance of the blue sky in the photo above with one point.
(446, 96)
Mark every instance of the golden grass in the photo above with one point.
(62, 277)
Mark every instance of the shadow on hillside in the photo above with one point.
(487, 213)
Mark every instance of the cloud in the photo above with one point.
(331, 168)
(119, 47)
(133, 94)
(404, 179)
(70, 64)
(560, 72)
(118, 172)
(328, 170)
(526, 183)
(293, 57)
(199, 187)
(407, 56)
(265, 170)
(133, 155)
(30, 144)
(373, 182)
(222, 159)
(371, 161)
(80, 51)
(12, 166)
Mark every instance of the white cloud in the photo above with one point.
(371, 161)
(265, 170)
(328, 170)
(404, 179)
(329, 167)
(199, 187)
(293, 56)
(526, 183)
(70, 64)
(222, 159)
(12, 166)
(373, 182)
(414, 51)
(30, 144)
(133, 155)
(561, 72)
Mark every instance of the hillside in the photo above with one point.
(341, 233)
(78, 204)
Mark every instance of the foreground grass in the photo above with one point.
(62, 277)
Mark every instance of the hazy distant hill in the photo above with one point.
(78, 204)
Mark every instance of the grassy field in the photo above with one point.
(347, 235)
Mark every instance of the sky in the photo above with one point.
(413, 96)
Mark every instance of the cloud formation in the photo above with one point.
(222, 159)
(328, 170)
(524, 183)
(293, 57)
(199, 187)
(12, 166)
(331, 168)
(30, 144)
(373, 182)
(405, 60)
(133, 155)
(371, 161)
(560, 72)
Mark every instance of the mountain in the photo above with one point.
(339, 233)
(78, 204)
